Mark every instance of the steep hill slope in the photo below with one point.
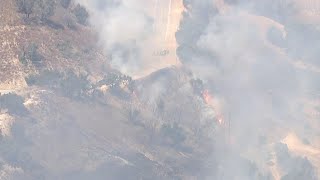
(241, 102)
(65, 114)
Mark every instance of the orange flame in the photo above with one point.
(214, 105)
(220, 119)
(207, 97)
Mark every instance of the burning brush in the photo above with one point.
(214, 104)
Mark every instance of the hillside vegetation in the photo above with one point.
(241, 101)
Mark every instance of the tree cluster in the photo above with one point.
(30, 54)
(40, 9)
(81, 14)
(68, 84)
(65, 3)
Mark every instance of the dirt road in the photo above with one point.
(160, 50)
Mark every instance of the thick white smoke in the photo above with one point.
(232, 48)
(123, 26)
(245, 51)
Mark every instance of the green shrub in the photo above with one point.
(45, 78)
(74, 86)
(31, 54)
(22, 58)
(81, 14)
(66, 49)
(65, 3)
(68, 84)
(42, 9)
(45, 9)
(25, 6)
(70, 22)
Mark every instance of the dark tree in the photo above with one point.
(25, 6)
(42, 9)
(81, 14)
(45, 9)
(65, 3)
(74, 86)
(70, 22)
(31, 54)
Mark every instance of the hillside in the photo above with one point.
(77, 116)
(171, 89)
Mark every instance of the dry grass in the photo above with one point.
(61, 48)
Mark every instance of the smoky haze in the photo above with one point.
(135, 31)
(187, 89)
(246, 53)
